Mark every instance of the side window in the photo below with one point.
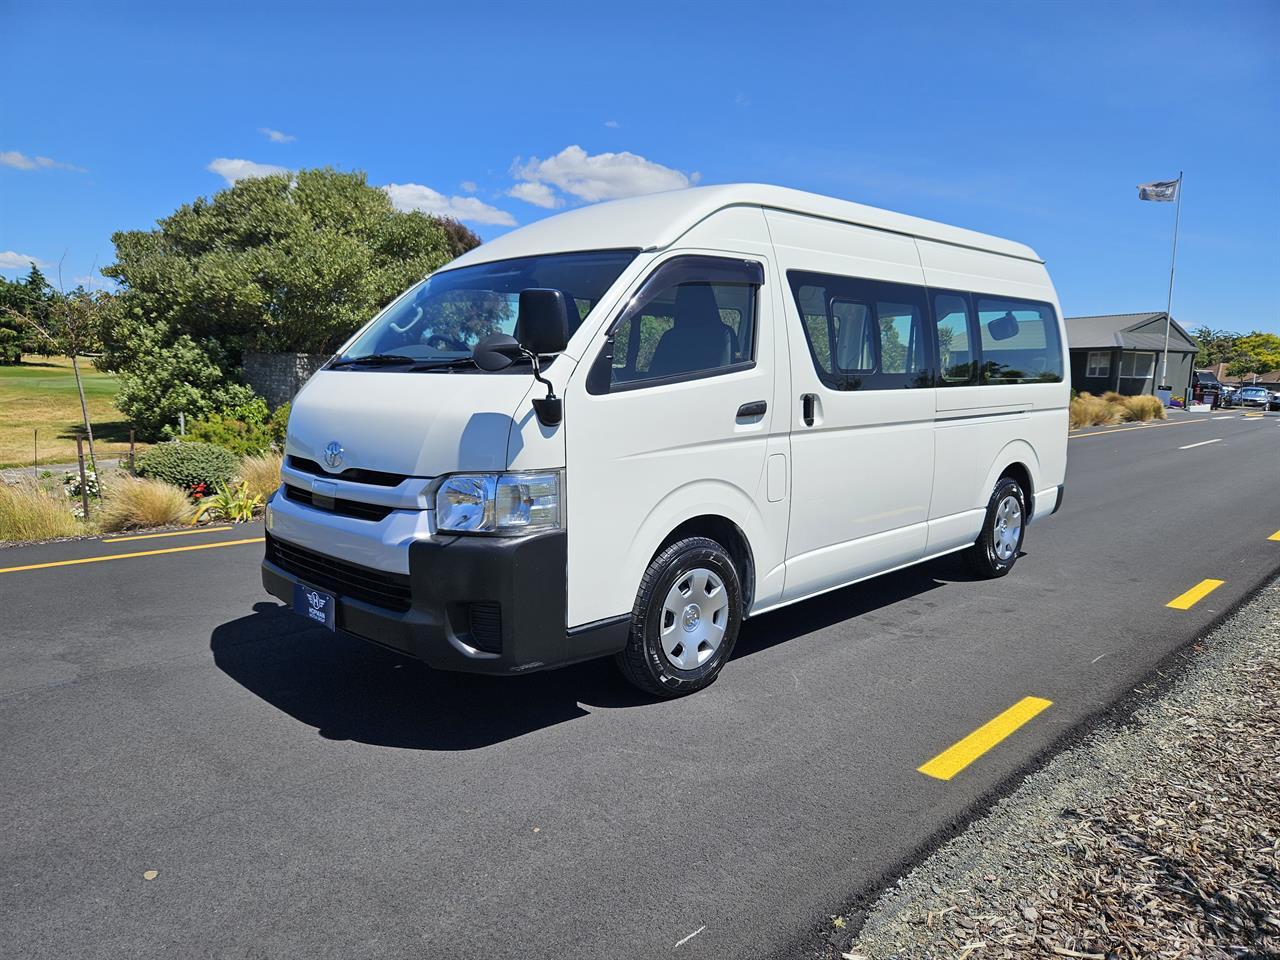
(1020, 341)
(696, 316)
(1099, 364)
(864, 334)
(955, 347)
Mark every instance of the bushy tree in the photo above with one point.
(1216, 346)
(286, 263)
(1256, 352)
(20, 299)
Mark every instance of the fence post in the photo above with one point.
(35, 451)
(84, 485)
(182, 424)
(132, 471)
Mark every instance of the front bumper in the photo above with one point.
(476, 604)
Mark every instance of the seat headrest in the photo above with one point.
(695, 303)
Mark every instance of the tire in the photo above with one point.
(997, 547)
(685, 620)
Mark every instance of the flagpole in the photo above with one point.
(1168, 312)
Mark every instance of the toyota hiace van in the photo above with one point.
(623, 430)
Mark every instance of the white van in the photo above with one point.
(627, 428)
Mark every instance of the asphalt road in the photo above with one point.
(305, 795)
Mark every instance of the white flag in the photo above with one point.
(1162, 190)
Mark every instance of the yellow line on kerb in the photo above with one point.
(126, 556)
(1193, 596)
(157, 536)
(955, 758)
(1275, 536)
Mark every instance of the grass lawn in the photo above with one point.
(39, 395)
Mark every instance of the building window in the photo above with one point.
(1099, 364)
(1139, 366)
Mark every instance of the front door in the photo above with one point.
(672, 422)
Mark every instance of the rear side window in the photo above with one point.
(864, 334)
(1020, 341)
(956, 364)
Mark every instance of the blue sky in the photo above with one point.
(1034, 121)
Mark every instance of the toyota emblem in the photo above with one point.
(333, 454)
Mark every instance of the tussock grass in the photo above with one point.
(132, 503)
(27, 512)
(261, 474)
(1090, 411)
(1145, 408)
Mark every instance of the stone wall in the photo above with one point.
(278, 376)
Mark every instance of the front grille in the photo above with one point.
(486, 626)
(388, 590)
(347, 508)
(353, 474)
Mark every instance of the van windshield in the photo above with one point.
(444, 316)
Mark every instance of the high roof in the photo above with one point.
(657, 220)
(1122, 330)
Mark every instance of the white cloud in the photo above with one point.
(233, 170)
(604, 176)
(612, 124)
(93, 281)
(275, 136)
(469, 186)
(20, 161)
(9, 260)
(414, 196)
(539, 194)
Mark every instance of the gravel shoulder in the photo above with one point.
(1154, 837)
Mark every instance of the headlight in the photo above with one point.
(501, 503)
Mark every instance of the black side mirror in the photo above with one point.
(542, 326)
(496, 352)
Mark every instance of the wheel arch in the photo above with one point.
(1019, 462)
(730, 536)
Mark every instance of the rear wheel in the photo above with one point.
(997, 547)
(685, 620)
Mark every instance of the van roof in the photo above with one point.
(658, 220)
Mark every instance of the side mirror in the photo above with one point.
(1002, 328)
(496, 352)
(542, 326)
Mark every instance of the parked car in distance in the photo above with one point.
(1205, 387)
(1254, 397)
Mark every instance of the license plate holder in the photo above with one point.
(318, 606)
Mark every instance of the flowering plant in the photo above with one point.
(197, 491)
(71, 484)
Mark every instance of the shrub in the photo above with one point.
(1145, 408)
(1089, 411)
(249, 429)
(236, 504)
(28, 512)
(261, 473)
(135, 502)
(187, 465)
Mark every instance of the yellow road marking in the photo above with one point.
(958, 756)
(1193, 596)
(1275, 536)
(1141, 426)
(125, 556)
(156, 536)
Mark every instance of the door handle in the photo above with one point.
(756, 408)
(806, 408)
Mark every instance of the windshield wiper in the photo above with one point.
(452, 363)
(372, 360)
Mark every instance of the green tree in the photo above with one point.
(1256, 352)
(28, 297)
(1216, 346)
(286, 263)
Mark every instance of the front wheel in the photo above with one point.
(997, 547)
(685, 620)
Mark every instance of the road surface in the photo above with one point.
(301, 794)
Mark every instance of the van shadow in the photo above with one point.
(348, 689)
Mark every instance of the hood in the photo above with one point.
(418, 424)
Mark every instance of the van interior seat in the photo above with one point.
(698, 338)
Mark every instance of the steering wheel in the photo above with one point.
(440, 341)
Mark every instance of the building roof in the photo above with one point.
(1264, 379)
(657, 220)
(1122, 330)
